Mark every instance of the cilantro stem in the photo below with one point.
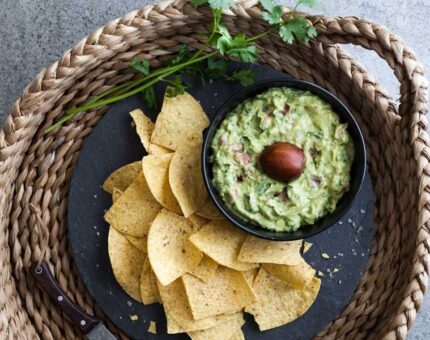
(216, 21)
(227, 45)
(155, 76)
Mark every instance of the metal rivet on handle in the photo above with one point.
(38, 270)
(60, 298)
(83, 322)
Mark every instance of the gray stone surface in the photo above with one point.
(34, 33)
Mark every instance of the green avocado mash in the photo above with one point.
(282, 115)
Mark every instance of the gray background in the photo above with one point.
(34, 33)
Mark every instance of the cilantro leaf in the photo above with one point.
(149, 96)
(309, 3)
(268, 5)
(245, 76)
(298, 28)
(274, 16)
(199, 2)
(183, 55)
(178, 87)
(215, 69)
(222, 4)
(236, 46)
(141, 66)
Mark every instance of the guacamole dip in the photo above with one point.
(282, 115)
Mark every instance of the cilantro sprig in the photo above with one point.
(210, 60)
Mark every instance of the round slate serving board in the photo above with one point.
(114, 143)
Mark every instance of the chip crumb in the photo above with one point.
(320, 273)
(340, 281)
(98, 233)
(362, 211)
(335, 270)
(328, 270)
(360, 229)
(334, 256)
(134, 317)
(97, 265)
(349, 220)
(354, 225)
(362, 254)
(152, 327)
(95, 227)
(129, 303)
(325, 256)
(307, 246)
(340, 222)
(340, 254)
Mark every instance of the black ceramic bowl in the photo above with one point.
(358, 168)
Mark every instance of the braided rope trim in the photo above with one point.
(100, 61)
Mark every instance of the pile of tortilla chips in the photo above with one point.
(168, 244)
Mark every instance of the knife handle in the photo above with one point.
(46, 281)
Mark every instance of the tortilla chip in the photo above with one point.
(306, 247)
(250, 275)
(178, 311)
(134, 210)
(115, 194)
(222, 242)
(152, 327)
(169, 251)
(179, 116)
(146, 291)
(226, 292)
(297, 276)
(154, 285)
(155, 149)
(156, 171)
(140, 243)
(127, 263)
(198, 221)
(278, 302)
(209, 211)
(185, 175)
(237, 336)
(144, 127)
(263, 251)
(224, 330)
(122, 177)
(205, 269)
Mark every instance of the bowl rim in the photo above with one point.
(244, 93)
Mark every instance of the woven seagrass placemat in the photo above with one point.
(35, 168)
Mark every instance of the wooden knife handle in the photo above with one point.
(47, 282)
